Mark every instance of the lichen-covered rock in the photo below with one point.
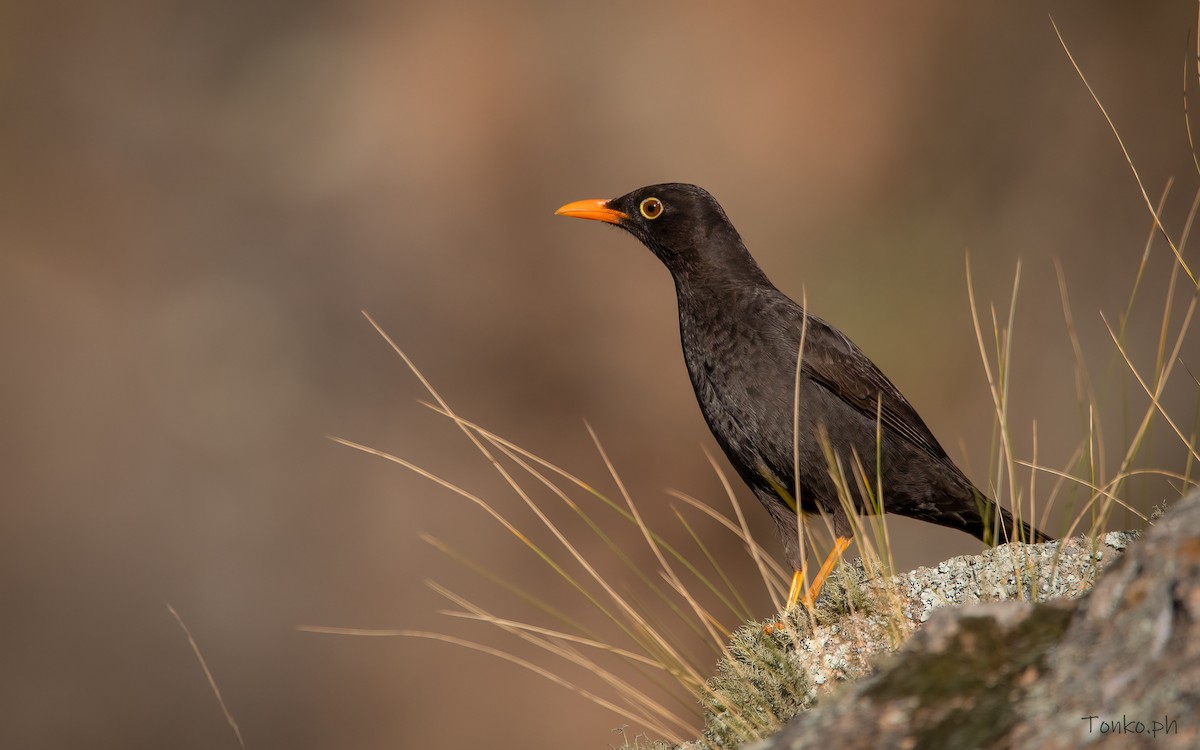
(772, 676)
(1127, 672)
(1118, 668)
(955, 685)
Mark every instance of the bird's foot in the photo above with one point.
(793, 598)
(809, 600)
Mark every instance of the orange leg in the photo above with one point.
(794, 591)
(793, 597)
(810, 599)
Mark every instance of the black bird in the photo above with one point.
(741, 337)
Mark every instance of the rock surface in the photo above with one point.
(1118, 668)
(863, 618)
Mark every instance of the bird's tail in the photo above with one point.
(1013, 530)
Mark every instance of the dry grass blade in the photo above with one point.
(508, 478)
(1097, 491)
(770, 569)
(480, 502)
(629, 564)
(1087, 394)
(526, 459)
(641, 627)
(1141, 271)
(657, 551)
(475, 646)
(1155, 394)
(1128, 158)
(549, 633)
(1187, 120)
(800, 530)
(518, 458)
(643, 707)
(659, 649)
(741, 611)
(761, 559)
(998, 385)
(487, 574)
(212, 683)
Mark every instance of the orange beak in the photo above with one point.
(596, 209)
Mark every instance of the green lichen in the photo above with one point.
(963, 694)
(758, 687)
(762, 683)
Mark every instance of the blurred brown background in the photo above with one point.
(197, 199)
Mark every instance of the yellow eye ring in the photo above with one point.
(651, 208)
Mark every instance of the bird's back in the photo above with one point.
(741, 357)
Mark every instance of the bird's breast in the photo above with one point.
(745, 390)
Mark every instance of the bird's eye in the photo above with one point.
(651, 208)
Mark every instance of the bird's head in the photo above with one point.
(682, 224)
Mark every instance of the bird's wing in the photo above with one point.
(832, 361)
